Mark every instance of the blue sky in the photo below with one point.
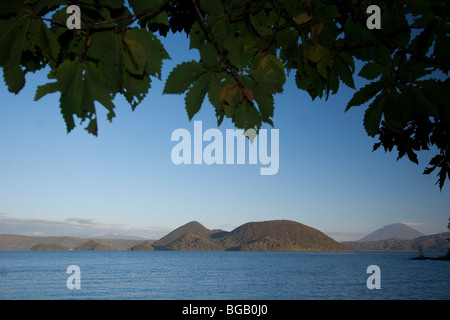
(124, 179)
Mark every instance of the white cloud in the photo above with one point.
(74, 227)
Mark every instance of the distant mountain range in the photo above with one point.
(393, 231)
(276, 235)
(20, 242)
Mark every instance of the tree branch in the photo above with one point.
(112, 20)
(275, 27)
(205, 24)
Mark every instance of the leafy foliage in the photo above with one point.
(246, 48)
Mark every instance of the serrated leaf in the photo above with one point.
(234, 51)
(429, 170)
(182, 76)
(265, 103)
(196, 94)
(112, 64)
(371, 70)
(136, 56)
(44, 89)
(229, 98)
(45, 39)
(246, 116)
(12, 71)
(366, 93)
(372, 116)
(135, 87)
(70, 77)
(209, 56)
(197, 36)
(268, 71)
(344, 71)
(98, 88)
(101, 45)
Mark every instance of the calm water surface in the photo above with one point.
(219, 275)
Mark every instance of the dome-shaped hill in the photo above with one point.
(193, 227)
(145, 246)
(280, 235)
(94, 245)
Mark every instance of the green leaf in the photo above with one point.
(265, 32)
(102, 44)
(12, 70)
(70, 78)
(372, 116)
(196, 94)
(44, 89)
(182, 76)
(268, 71)
(136, 57)
(197, 36)
(246, 116)
(316, 52)
(366, 93)
(231, 45)
(302, 18)
(209, 56)
(112, 64)
(344, 71)
(45, 39)
(135, 87)
(371, 70)
(98, 88)
(212, 7)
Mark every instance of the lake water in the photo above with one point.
(177, 275)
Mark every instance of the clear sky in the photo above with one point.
(123, 181)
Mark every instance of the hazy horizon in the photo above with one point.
(90, 228)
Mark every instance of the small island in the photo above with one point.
(94, 245)
(49, 246)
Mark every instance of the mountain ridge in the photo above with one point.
(272, 235)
